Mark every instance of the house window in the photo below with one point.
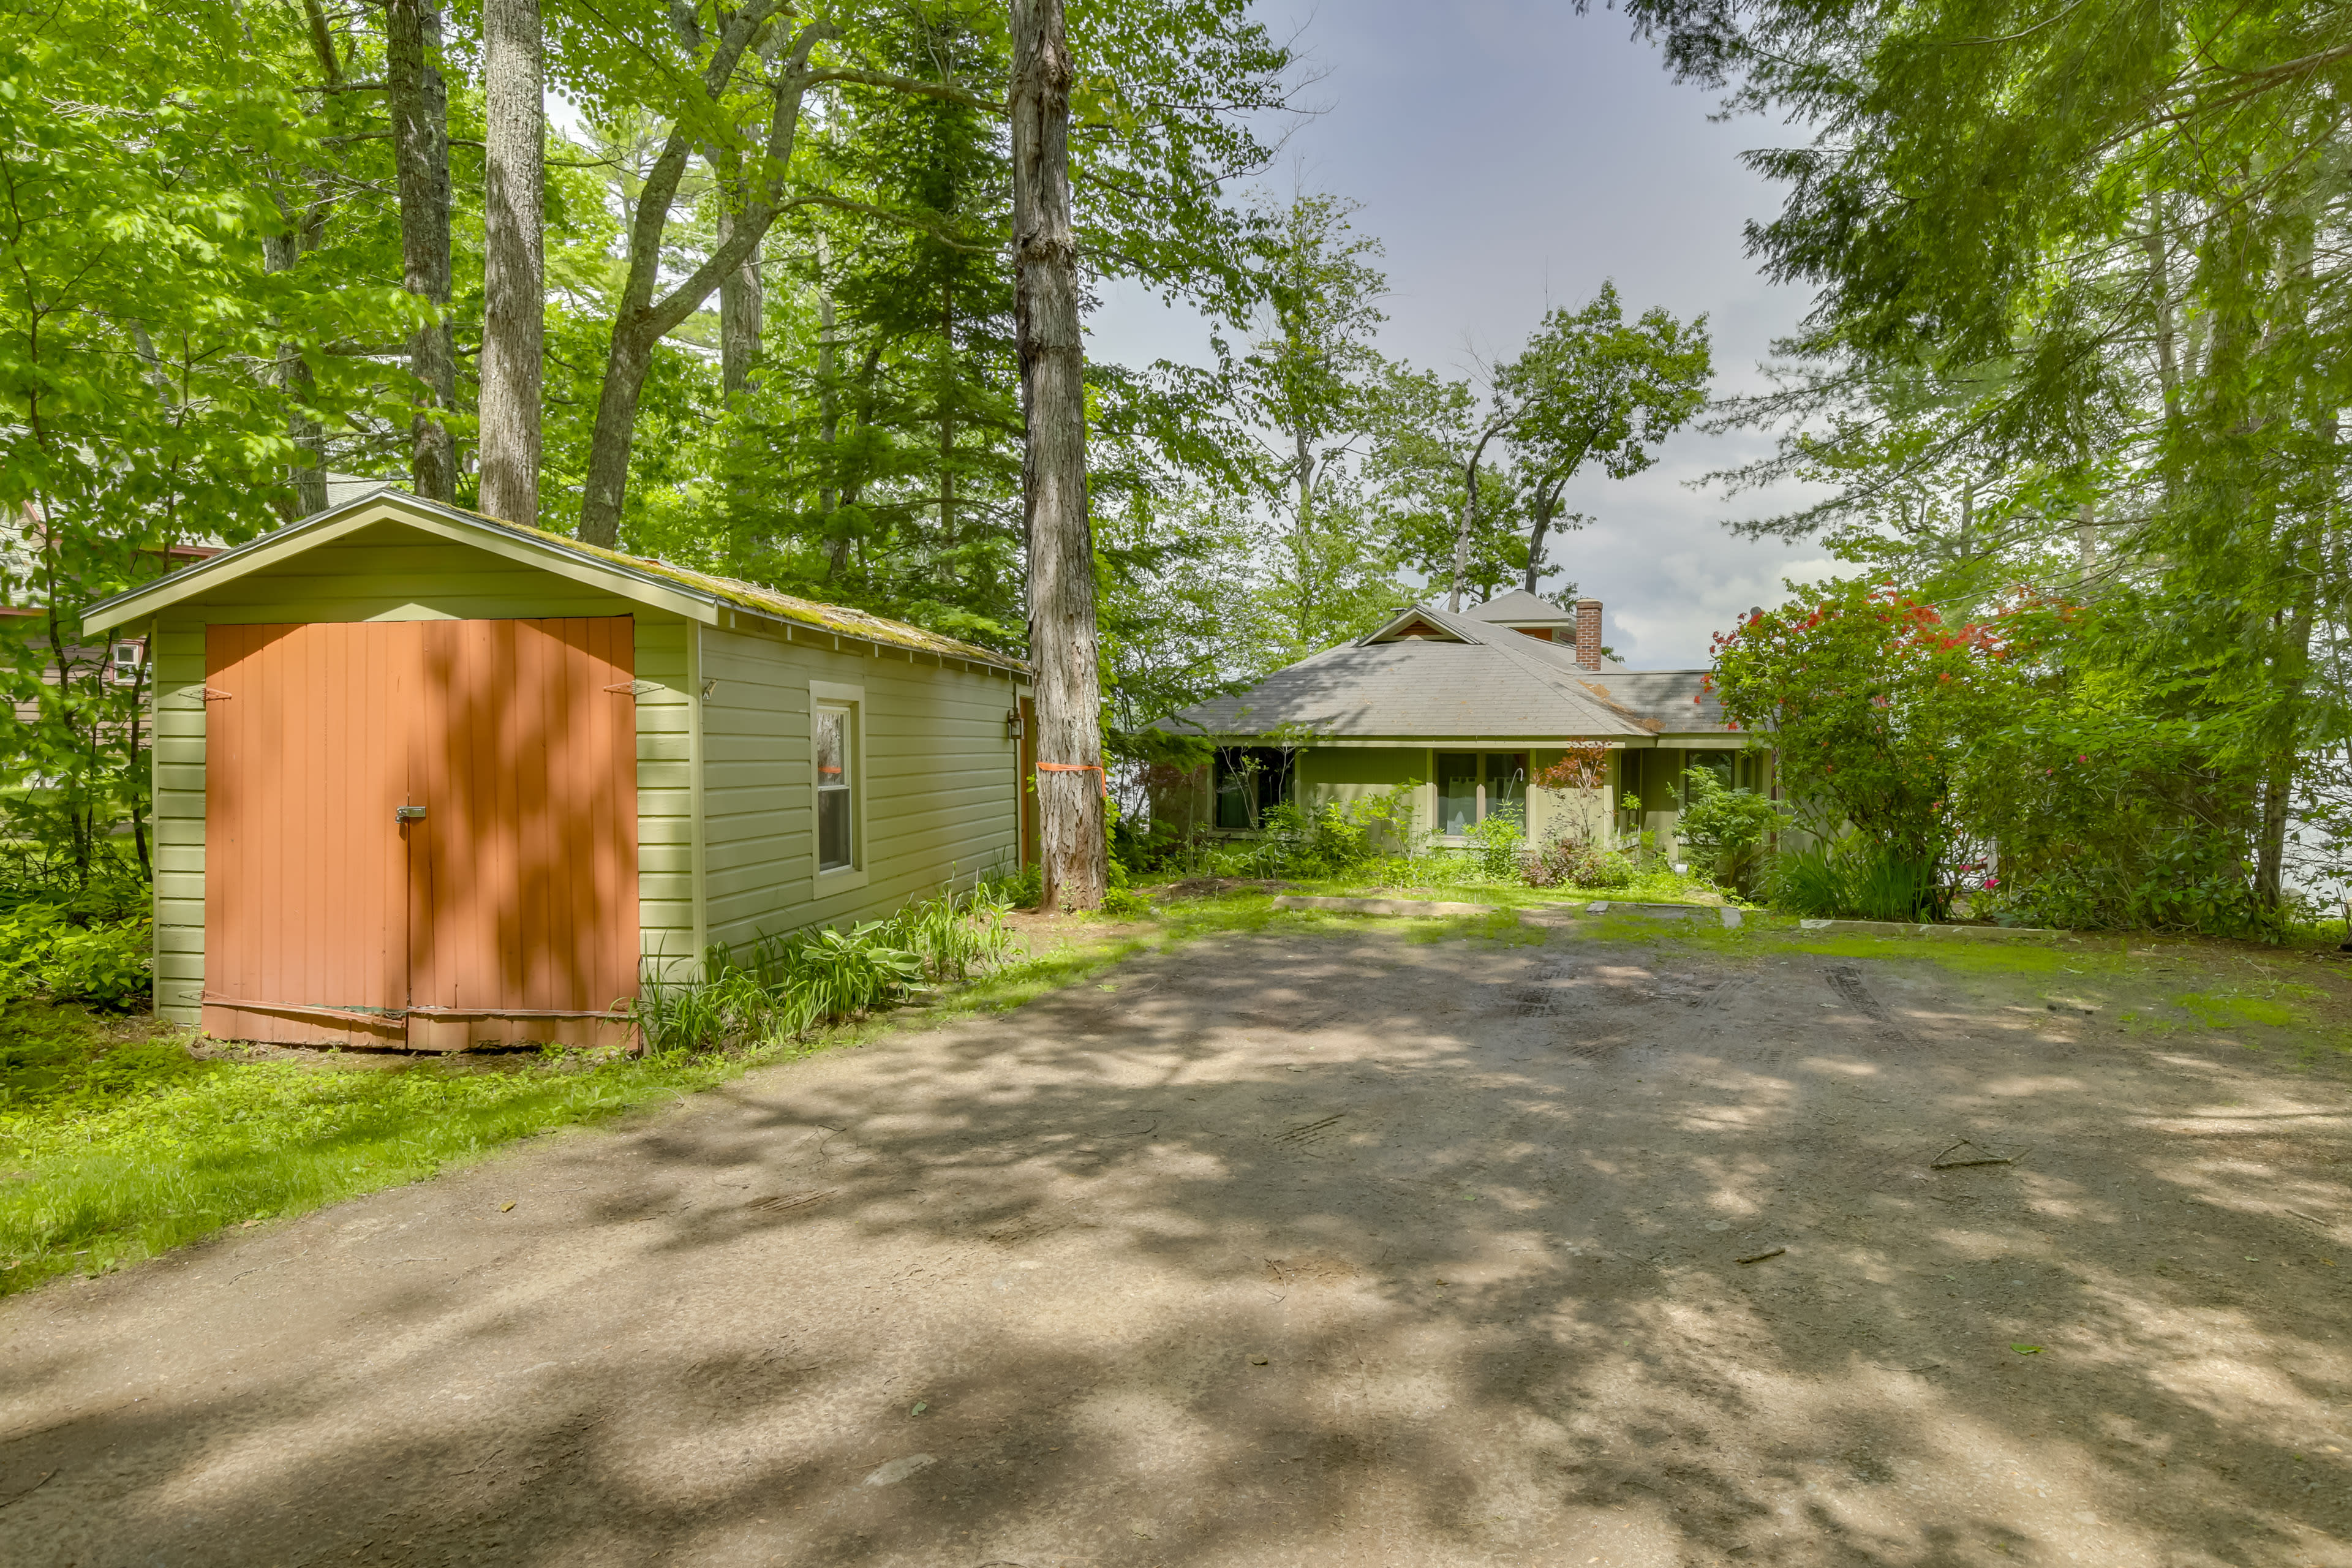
(837, 837)
(1250, 781)
(1722, 764)
(1475, 785)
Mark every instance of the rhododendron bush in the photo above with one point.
(2009, 758)
(1873, 699)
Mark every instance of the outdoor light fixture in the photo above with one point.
(1013, 724)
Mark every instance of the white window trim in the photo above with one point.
(856, 875)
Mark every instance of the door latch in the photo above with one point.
(408, 813)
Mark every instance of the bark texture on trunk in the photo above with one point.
(514, 318)
(419, 102)
(1547, 504)
(639, 320)
(1061, 635)
(742, 301)
(1469, 520)
(279, 252)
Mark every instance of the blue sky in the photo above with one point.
(1512, 154)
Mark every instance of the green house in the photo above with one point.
(1470, 708)
(424, 779)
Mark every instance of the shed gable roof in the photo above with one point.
(698, 595)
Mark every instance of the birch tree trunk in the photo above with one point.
(419, 102)
(514, 316)
(1061, 635)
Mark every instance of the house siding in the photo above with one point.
(938, 795)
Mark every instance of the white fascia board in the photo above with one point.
(1717, 742)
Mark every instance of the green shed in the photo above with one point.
(424, 779)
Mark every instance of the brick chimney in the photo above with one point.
(1587, 633)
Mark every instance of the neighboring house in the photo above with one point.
(1467, 706)
(424, 779)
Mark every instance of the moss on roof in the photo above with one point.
(762, 600)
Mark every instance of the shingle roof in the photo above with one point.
(1520, 607)
(1491, 682)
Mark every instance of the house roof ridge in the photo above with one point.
(1567, 685)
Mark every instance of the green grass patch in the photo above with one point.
(1660, 886)
(2227, 1010)
(115, 1150)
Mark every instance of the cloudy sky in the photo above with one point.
(1512, 154)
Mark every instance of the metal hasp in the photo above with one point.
(408, 813)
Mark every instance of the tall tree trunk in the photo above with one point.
(946, 417)
(828, 404)
(514, 311)
(742, 302)
(307, 480)
(1469, 518)
(419, 102)
(639, 320)
(1546, 503)
(1061, 635)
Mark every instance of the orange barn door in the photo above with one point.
(505, 909)
(523, 890)
(306, 878)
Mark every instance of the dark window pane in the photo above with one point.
(1457, 791)
(1507, 782)
(832, 828)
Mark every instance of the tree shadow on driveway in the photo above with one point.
(1285, 1249)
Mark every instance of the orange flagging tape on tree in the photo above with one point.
(1094, 768)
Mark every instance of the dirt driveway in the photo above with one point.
(1293, 1250)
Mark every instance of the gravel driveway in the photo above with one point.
(1287, 1249)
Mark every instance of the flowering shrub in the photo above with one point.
(1873, 699)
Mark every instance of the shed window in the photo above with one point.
(1475, 785)
(836, 837)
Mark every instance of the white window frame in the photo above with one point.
(851, 700)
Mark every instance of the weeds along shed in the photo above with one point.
(424, 779)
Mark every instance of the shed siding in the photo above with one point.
(390, 573)
(938, 793)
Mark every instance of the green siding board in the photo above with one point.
(926, 729)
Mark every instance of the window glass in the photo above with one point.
(833, 838)
(1457, 791)
(1506, 783)
(1720, 764)
(1250, 781)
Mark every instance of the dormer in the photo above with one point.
(1415, 625)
